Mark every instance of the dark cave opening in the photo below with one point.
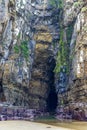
(2, 97)
(52, 101)
(1, 88)
(52, 96)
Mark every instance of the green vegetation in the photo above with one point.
(60, 3)
(84, 9)
(62, 56)
(85, 28)
(16, 49)
(77, 4)
(52, 2)
(69, 32)
(56, 3)
(46, 118)
(22, 49)
(63, 60)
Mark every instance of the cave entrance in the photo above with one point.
(2, 97)
(52, 101)
(52, 96)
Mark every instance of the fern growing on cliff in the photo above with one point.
(22, 49)
(62, 55)
(16, 49)
(56, 3)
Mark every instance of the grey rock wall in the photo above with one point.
(22, 26)
(15, 66)
(74, 20)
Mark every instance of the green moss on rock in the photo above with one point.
(62, 56)
(22, 49)
(56, 3)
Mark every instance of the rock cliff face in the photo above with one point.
(78, 71)
(15, 52)
(74, 25)
(33, 36)
(42, 73)
(24, 25)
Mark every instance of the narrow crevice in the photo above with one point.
(2, 97)
(52, 96)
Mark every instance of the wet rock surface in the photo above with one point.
(39, 83)
(14, 69)
(9, 112)
(26, 22)
(72, 86)
(72, 112)
(42, 82)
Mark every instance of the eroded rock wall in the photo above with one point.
(22, 23)
(78, 71)
(45, 33)
(16, 46)
(74, 26)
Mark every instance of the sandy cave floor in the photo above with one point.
(26, 125)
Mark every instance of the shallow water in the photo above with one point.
(68, 124)
(73, 125)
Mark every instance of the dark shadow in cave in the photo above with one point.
(1, 88)
(2, 97)
(52, 101)
(52, 97)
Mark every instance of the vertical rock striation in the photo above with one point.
(74, 26)
(33, 34)
(45, 32)
(27, 32)
(15, 52)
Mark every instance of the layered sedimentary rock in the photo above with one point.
(44, 63)
(75, 34)
(15, 52)
(39, 84)
(77, 79)
(33, 34)
(23, 23)
(6, 35)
